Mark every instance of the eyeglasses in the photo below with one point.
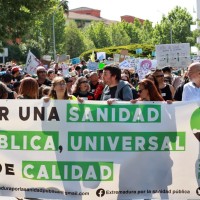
(83, 82)
(159, 76)
(69, 81)
(61, 84)
(41, 71)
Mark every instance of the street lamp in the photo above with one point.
(54, 39)
(64, 3)
(171, 32)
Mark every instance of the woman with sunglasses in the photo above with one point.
(147, 92)
(82, 89)
(167, 90)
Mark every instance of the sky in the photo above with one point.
(153, 10)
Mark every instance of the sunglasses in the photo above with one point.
(159, 76)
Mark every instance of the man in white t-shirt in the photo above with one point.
(191, 90)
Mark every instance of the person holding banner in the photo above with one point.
(191, 90)
(5, 92)
(167, 90)
(115, 89)
(96, 85)
(59, 91)
(147, 92)
(82, 89)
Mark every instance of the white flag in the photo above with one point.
(31, 63)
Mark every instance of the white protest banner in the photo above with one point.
(124, 64)
(101, 55)
(31, 63)
(65, 68)
(63, 58)
(174, 55)
(144, 66)
(93, 66)
(67, 150)
(116, 57)
(46, 57)
(130, 63)
(109, 62)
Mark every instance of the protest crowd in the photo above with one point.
(108, 84)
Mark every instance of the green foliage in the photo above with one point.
(74, 41)
(147, 49)
(178, 22)
(33, 20)
(118, 35)
(98, 33)
(14, 53)
(146, 32)
(17, 17)
(132, 31)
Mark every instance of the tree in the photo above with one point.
(74, 41)
(146, 32)
(99, 34)
(119, 36)
(16, 17)
(176, 24)
(132, 30)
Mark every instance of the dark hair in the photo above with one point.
(134, 75)
(6, 78)
(77, 68)
(77, 84)
(166, 69)
(126, 71)
(114, 71)
(67, 78)
(153, 92)
(4, 90)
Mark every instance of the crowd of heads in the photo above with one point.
(82, 82)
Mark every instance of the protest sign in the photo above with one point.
(93, 66)
(63, 58)
(67, 150)
(124, 64)
(101, 55)
(138, 51)
(123, 54)
(145, 66)
(75, 60)
(101, 66)
(31, 63)
(65, 68)
(174, 55)
(116, 57)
